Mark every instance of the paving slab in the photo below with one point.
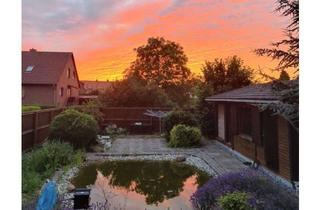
(219, 159)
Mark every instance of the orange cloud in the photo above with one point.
(103, 35)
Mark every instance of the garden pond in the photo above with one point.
(137, 184)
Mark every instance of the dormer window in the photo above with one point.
(29, 68)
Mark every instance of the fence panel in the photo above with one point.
(35, 126)
(133, 119)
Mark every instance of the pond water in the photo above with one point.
(139, 185)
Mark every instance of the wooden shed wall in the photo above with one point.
(284, 148)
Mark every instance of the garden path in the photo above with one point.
(212, 152)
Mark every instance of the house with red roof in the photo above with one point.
(49, 78)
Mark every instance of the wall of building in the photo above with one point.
(284, 148)
(64, 82)
(38, 94)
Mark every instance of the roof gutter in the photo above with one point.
(242, 100)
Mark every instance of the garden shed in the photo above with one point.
(262, 136)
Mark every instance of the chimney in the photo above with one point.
(33, 50)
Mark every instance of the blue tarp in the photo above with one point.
(48, 197)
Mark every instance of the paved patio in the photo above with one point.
(212, 152)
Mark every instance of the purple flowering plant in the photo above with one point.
(265, 194)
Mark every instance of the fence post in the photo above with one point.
(35, 127)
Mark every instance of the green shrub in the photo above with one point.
(184, 136)
(30, 108)
(235, 201)
(113, 130)
(175, 118)
(92, 108)
(41, 163)
(78, 129)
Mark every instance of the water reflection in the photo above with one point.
(141, 183)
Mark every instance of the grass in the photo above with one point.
(41, 164)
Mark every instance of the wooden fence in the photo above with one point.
(133, 119)
(35, 126)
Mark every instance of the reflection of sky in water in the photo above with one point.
(149, 185)
(124, 198)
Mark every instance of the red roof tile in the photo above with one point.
(47, 66)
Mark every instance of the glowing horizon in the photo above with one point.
(103, 34)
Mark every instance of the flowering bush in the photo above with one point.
(266, 195)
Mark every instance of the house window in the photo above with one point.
(244, 121)
(61, 91)
(69, 91)
(29, 68)
(74, 74)
(68, 72)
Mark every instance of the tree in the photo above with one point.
(288, 91)
(219, 76)
(284, 76)
(222, 75)
(286, 50)
(132, 92)
(163, 63)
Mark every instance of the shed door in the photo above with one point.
(221, 122)
(270, 139)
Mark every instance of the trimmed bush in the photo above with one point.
(92, 108)
(265, 193)
(78, 129)
(177, 117)
(184, 136)
(30, 108)
(235, 201)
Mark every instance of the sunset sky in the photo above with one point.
(103, 33)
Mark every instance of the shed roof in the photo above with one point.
(257, 93)
(47, 67)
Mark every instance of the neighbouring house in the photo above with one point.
(90, 87)
(261, 136)
(49, 78)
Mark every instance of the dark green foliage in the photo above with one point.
(131, 92)
(219, 76)
(163, 63)
(234, 201)
(78, 129)
(113, 130)
(91, 107)
(284, 76)
(178, 117)
(41, 163)
(288, 106)
(184, 136)
(286, 50)
(30, 108)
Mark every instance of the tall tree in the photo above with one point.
(164, 63)
(284, 76)
(222, 75)
(219, 76)
(286, 50)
